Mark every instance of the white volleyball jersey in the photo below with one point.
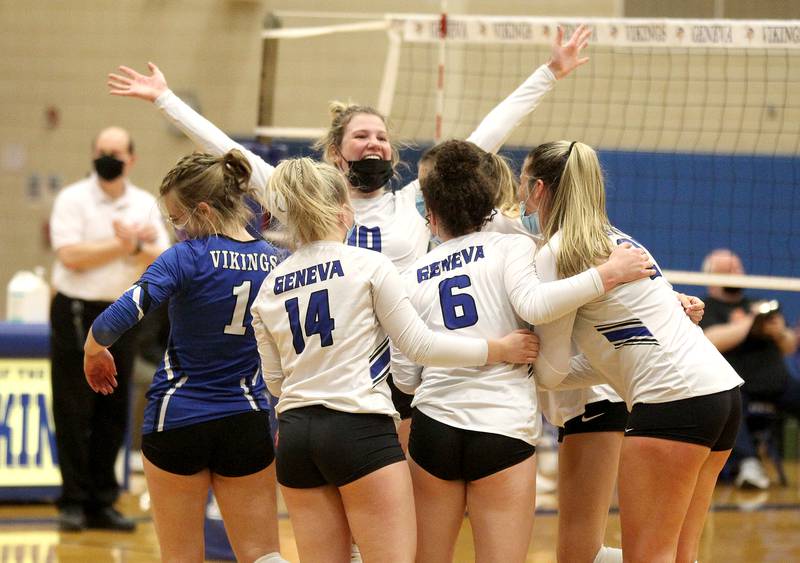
(390, 224)
(637, 338)
(322, 320)
(560, 406)
(557, 406)
(484, 285)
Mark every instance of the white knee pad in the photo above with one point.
(608, 555)
(273, 557)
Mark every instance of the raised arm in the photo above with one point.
(508, 114)
(202, 132)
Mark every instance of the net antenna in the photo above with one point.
(437, 134)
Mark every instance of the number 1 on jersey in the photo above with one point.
(318, 320)
(242, 293)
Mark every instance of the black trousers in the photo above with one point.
(90, 427)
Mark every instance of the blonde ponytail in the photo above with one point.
(576, 203)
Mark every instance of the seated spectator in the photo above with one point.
(756, 352)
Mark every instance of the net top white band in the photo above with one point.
(612, 32)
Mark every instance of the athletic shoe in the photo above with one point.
(751, 475)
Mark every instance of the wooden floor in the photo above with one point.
(745, 526)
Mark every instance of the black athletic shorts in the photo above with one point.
(600, 416)
(319, 446)
(401, 401)
(454, 454)
(233, 446)
(709, 420)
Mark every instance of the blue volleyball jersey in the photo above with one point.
(211, 367)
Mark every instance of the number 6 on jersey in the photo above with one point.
(458, 309)
(318, 320)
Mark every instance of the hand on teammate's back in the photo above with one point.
(518, 347)
(694, 307)
(625, 264)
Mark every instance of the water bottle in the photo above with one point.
(28, 297)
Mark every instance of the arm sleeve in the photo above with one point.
(163, 278)
(555, 352)
(507, 115)
(213, 140)
(537, 302)
(581, 375)
(410, 334)
(270, 357)
(406, 374)
(555, 337)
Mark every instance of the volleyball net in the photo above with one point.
(697, 122)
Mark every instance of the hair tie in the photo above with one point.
(569, 152)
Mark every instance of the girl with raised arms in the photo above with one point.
(358, 143)
(206, 422)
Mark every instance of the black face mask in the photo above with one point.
(108, 167)
(369, 174)
(733, 291)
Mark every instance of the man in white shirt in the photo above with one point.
(104, 231)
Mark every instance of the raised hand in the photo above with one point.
(100, 371)
(131, 83)
(565, 57)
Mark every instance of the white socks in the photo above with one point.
(608, 555)
(273, 557)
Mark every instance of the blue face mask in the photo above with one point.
(530, 222)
